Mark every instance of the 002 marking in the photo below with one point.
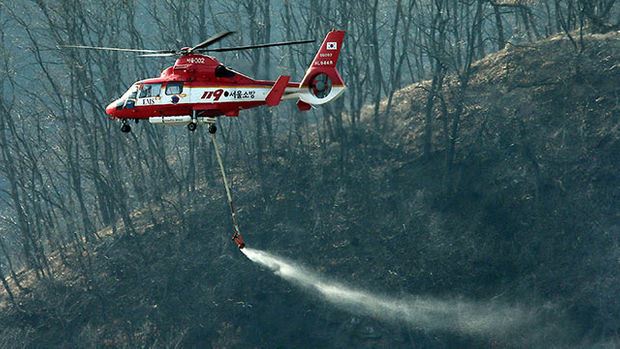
(196, 60)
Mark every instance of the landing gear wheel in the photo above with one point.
(125, 128)
(212, 129)
(192, 126)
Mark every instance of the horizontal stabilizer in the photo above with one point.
(303, 106)
(277, 91)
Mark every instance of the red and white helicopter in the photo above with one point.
(199, 88)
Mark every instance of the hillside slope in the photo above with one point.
(531, 217)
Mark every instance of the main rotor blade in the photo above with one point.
(163, 54)
(249, 47)
(210, 41)
(117, 49)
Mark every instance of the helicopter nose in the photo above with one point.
(111, 109)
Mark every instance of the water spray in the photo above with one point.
(469, 318)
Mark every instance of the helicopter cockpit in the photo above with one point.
(128, 99)
(142, 90)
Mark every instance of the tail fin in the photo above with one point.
(322, 83)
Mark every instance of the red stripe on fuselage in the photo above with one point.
(204, 109)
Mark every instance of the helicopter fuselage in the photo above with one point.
(199, 86)
(195, 83)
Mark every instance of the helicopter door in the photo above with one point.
(149, 94)
(174, 90)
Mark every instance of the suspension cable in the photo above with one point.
(236, 235)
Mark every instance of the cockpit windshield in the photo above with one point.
(132, 92)
(128, 99)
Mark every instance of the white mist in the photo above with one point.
(472, 318)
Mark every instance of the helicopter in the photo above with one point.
(198, 88)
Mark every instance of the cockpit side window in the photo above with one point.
(223, 72)
(174, 88)
(150, 90)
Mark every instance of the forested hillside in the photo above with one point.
(475, 156)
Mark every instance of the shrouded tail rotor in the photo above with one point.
(322, 82)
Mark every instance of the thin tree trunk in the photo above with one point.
(9, 261)
(7, 288)
(499, 26)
